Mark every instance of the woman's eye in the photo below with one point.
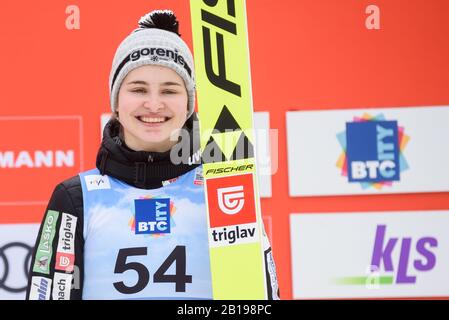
(169, 91)
(139, 90)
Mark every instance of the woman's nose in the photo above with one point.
(153, 103)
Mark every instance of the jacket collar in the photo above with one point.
(143, 169)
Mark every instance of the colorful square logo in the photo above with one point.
(372, 151)
(152, 216)
(231, 200)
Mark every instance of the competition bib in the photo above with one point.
(145, 244)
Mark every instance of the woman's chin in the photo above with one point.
(155, 143)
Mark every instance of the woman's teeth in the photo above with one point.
(152, 120)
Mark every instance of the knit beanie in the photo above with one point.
(155, 42)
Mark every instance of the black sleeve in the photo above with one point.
(57, 266)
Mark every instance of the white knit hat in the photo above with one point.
(155, 42)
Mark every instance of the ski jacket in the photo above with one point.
(135, 227)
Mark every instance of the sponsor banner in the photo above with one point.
(62, 284)
(370, 255)
(40, 288)
(16, 248)
(44, 251)
(233, 235)
(372, 151)
(65, 254)
(39, 148)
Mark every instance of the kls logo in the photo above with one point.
(231, 200)
(391, 261)
(383, 253)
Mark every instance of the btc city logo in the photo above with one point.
(372, 151)
(153, 216)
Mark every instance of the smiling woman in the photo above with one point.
(119, 230)
(152, 105)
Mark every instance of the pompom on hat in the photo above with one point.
(155, 42)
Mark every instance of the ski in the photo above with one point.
(223, 78)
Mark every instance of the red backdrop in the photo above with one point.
(305, 55)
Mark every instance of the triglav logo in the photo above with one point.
(231, 199)
(63, 262)
(232, 210)
(372, 151)
(384, 271)
(65, 254)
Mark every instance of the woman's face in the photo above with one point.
(152, 103)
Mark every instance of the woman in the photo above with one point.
(135, 227)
